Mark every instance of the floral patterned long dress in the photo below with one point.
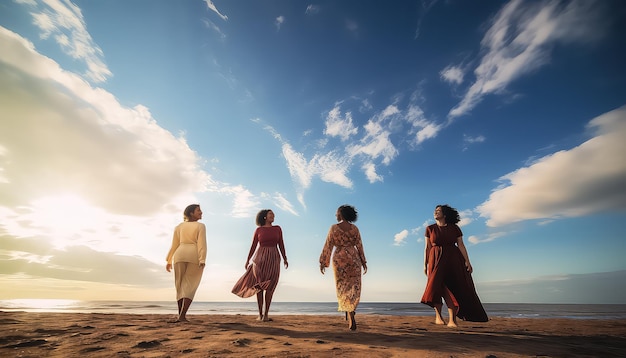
(348, 257)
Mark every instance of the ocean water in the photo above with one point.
(249, 307)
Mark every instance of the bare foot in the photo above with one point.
(267, 319)
(439, 321)
(452, 324)
(260, 318)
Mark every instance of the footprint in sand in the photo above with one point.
(148, 344)
(241, 342)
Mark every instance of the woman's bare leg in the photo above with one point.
(452, 313)
(182, 317)
(438, 318)
(452, 309)
(268, 301)
(259, 301)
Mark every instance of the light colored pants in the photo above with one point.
(187, 278)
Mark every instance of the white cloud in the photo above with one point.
(213, 8)
(369, 169)
(490, 237)
(352, 26)
(279, 22)
(281, 202)
(211, 25)
(469, 140)
(64, 22)
(312, 9)
(389, 111)
(466, 217)
(330, 167)
(452, 74)
(245, 203)
(587, 179)
(336, 126)
(375, 144)
(520, 41)
(399, 239)
(422, 128)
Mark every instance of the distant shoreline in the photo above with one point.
(249, 307)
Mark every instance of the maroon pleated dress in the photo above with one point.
(264, 270)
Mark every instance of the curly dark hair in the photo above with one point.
(348, 212)
(261, 216)
(451, 214)
(189, 210)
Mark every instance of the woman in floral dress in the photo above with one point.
(348, 258)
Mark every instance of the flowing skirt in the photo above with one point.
(447, 273)
(347, 268)
(261, 275)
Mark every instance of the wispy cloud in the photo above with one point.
(369, 146)
(280, 20)
(469, 140)
(211, 25)
(64, 22)
(375, 144)
(452, 74)
(312, 9)
(422, 128)
(426, 6)
(587, 179)
(399, 239)
(336, 126)
(520, 40)
(475, 239)
(284, 204)
(213, 8)
(330, 166)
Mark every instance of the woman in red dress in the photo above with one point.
(448, 268)
(263, 264)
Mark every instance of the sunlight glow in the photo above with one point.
(41, 304)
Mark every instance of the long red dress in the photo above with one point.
(447, 271)
(264, 271)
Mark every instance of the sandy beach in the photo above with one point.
(25, 334)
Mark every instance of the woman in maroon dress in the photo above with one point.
(263, 263)
(448, 268)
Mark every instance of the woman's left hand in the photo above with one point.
(168, 267)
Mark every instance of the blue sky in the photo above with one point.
(116, 115)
